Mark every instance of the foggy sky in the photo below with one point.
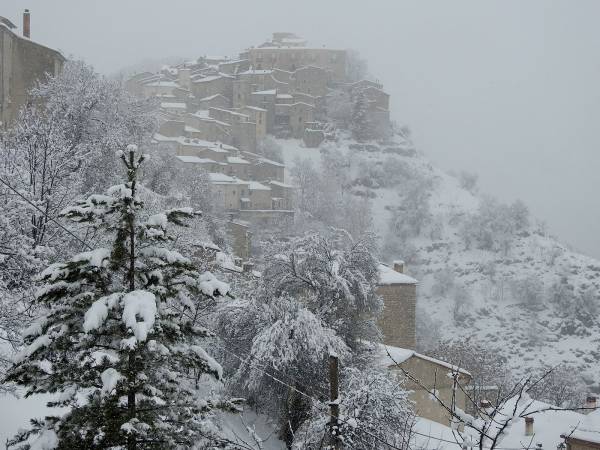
(507, 89)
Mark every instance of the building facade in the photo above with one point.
(23, 63)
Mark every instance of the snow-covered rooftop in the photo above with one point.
(163, 84)
(194, 159)
(280, 184)
(236, 160)
(387, 276)
(267, 92)
(256, 72)
(588, 429)
(399, 355)
(256, 186)
(221, 178)
(173, 105)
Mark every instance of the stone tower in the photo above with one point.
(399, 294)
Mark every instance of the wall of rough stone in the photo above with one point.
(432, 376)
(23, 64)
(398, 322)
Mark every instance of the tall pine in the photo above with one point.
(119, 345)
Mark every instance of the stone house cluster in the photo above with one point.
(215, 111)
(245, 183)
(280, 87)
(23, 62)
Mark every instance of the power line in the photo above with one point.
(278, 380)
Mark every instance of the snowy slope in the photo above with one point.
(494, 315)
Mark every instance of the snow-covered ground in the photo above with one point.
(528, 337)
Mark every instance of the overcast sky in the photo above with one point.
(507, 89)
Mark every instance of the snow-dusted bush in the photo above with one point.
(443, 282)
(488, 369)
(462, 300)
(528, 291)
(374, 410)
(335, 275)
(63, 142)
(428, 331)
(559, 386)
(413, 213)
(270, 149)
(468, 181)
(495, 225)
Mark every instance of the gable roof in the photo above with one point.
(8, 23)
(399, 355)
(388, 276)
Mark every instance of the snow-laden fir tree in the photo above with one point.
(119, 345)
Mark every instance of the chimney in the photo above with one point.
(591, 401)
(248, 266)
(528, 426)
(26, 24)
(399, 266)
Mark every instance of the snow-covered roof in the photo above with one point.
(387, 276)
(547, 425)
(194, 159)
(255, 108)
(256, 72)
(163, 84)
(588, 429)
(207, 79)
(399, 355)
(267, 92)
(236, 160)
(7, 22)
(256, 186)
(280, 184)
(221, 178)
(173, 105)
(284, 96)
(211, 97)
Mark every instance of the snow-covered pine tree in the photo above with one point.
(119, 344)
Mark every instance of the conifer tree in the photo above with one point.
(119, 344)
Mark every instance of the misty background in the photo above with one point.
(506, 89)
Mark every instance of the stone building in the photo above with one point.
(239, 232)
(291, 53)
(586, 436)
(432, 374)
(23, 63)
(399, 294)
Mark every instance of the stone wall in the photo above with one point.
(290, 59)
(398, 320)
(23, 63)
(432, 375)
(577, 444)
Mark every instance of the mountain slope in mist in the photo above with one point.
(489, 273)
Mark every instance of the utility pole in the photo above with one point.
(334, 403)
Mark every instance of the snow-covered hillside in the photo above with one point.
(486, 277)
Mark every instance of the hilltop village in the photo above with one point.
(217, 112)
